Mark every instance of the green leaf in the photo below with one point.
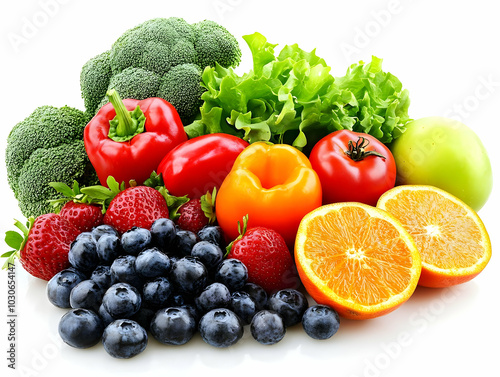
(9, 262)
(378, 102)
(173, 202)
(207, 202)
(293, 98)
(113, 185)
(262, 51)
(24, 228)
(97, 192)
(13, 239)
(155, 180)
(242, 229)
(76, 188)
(7, 254)
(253, 131)
(62, 188)
(16, 240)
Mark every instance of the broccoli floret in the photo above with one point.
(65, 163)
(94, 80)
(159, 46)
(47, 146)
(214, 44)
(134, 83)
(181, 87)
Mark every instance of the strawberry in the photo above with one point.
(265, 254)
(136, 206)
(196, 213)
(191, 216)
(83, 216)
(44, 246)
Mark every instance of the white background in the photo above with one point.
(447, 55)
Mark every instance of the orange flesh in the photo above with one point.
(360, 258)
(441, 229)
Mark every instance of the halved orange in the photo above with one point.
(357, 259)
(450, 236)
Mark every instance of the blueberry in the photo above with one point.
(215, 295)
(267, 327)
(232, 273)
(174, 325)
(258, 294)
(122, 300)
(163, 233)
(173, 259)
(60, 286)
(105, 316)
(183, 242)
(191, 308)
(177, 300)
(189, 275)
(108, 248)
(320, 322)
(143, 317)
(243, 305)
(87, 295)
(83, 275)
(103, 229)
(123, 270)
(152, 263)
(210, 255)
(220, 328)
(124, 339)
(213, 234)
(156, 293)
(81, 328)
(290, 304)
(85, 235)
(83, 255)
(135, 240)
(102, 276)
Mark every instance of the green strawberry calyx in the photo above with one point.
(173, 202)
(16, 241)
(97, 194)
(242, 229)
(208, 205)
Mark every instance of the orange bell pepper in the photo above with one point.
(274, 184)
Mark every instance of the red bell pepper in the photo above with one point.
(200, 164)
(128, 139)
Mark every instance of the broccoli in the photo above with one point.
(162, 57)
(185, 98)
(134, 83)
(47, 146)
(94, 79)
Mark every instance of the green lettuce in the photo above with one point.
(292, 98)
(375, 99)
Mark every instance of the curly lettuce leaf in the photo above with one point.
(381, 105)
(292, 98)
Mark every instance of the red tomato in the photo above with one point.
(353, 167)
(200, 164)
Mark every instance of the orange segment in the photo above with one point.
(357, 259)
(450, 236)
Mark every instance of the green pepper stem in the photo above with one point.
(357, 151)
(126, 125)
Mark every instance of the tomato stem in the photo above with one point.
(357, 151)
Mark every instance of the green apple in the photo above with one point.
(447, 154)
